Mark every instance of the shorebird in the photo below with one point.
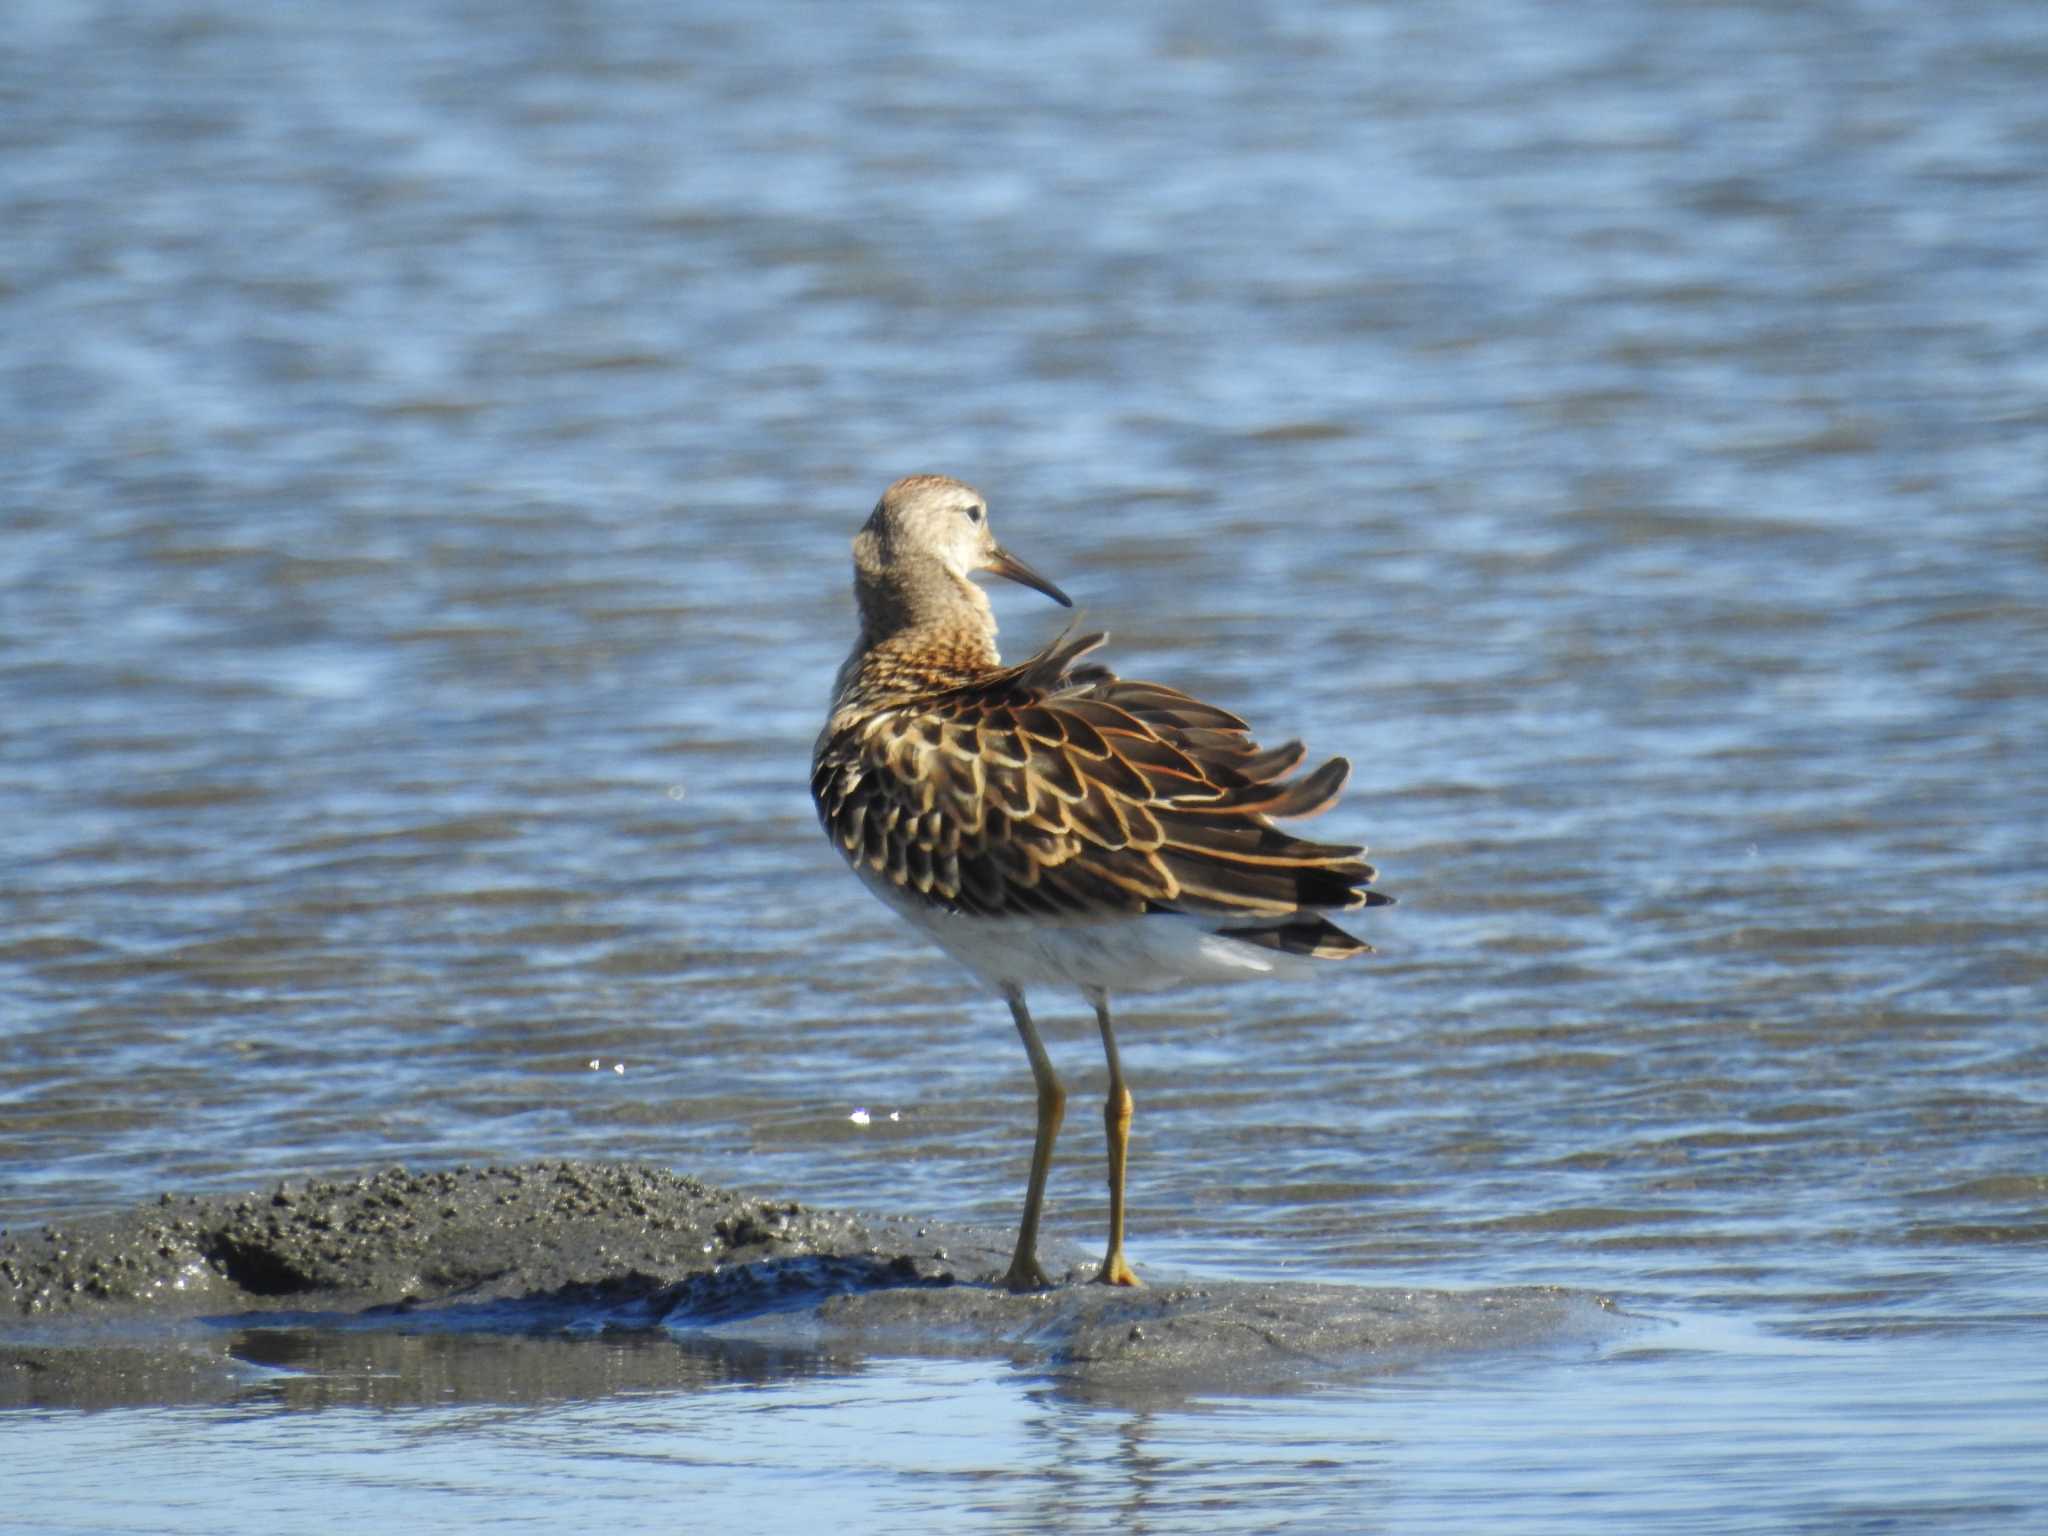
(1050, 822)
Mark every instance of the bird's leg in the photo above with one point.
(1025, 1273)
(1116, 1121)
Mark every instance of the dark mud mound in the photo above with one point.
(475, 1233)
(555, 1281)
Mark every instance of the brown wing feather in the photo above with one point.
(1051, 790)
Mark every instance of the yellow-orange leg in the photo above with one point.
(1116, 1123)
(1025, 1273)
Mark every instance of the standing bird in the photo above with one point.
(1052, 822)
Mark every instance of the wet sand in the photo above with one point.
(566, 1279)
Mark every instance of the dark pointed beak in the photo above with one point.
(1003, 563)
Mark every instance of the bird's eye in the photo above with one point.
(973, 514)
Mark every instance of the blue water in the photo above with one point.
(1663, 1438)
(429, 441)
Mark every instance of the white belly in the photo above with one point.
(1111, 954)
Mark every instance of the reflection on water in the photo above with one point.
(1671, 1436)
(430, 451)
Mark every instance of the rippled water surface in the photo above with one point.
(429, 440)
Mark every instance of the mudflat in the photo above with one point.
(511, 1274)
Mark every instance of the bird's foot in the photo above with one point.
(1025, 1274)
(1115, 1271)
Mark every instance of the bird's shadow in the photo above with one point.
(628, 1303)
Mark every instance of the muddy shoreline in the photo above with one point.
(555, 1280)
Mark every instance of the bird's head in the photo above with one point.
(925, 525)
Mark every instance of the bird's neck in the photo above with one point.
(914, 597)
(921, 630)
